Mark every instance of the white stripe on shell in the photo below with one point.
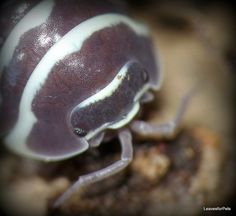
(71, 42)
(115, 125)
(108, 90)
(126, 119)
(35, 17)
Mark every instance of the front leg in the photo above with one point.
(126, 157)
(167, 129)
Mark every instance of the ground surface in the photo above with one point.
(182, 175)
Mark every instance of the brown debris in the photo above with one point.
(163, 176)
(167, 177)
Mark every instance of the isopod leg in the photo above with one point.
(97, 140)
(126, 157)
(147, 97)
(167, 129)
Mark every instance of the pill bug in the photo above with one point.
(69, 71)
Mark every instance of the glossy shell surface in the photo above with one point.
(69, 70)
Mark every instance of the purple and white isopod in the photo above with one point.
(70, 70)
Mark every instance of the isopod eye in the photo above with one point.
(80, 132)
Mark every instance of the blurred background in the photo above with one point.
(195, 45)
(196, 42)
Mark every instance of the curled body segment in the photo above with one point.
(55, 76)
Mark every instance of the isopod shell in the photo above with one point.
(69, 70)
